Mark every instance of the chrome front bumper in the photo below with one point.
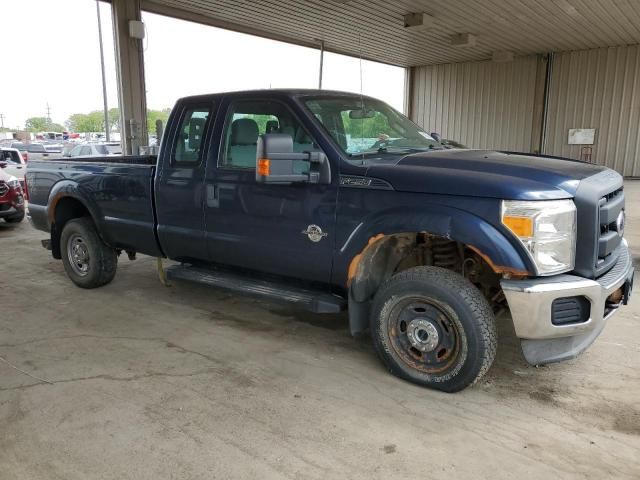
(530, 303)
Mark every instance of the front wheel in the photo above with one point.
(88, 261)
(16, 219)
(433, 327)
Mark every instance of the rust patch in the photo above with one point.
(355, 261)
(51, 210)
(512, 272)
(616, 297)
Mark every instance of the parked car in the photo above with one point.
(53, 147)
(11, 197)
(91, 150)
(23, 149)
(36, 151)
(12, 163)
(332, 200)
(114, 148)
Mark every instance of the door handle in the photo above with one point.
(213, 200)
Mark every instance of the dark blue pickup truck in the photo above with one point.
(331, 201)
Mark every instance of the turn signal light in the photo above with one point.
(264, 167)
(521, 226)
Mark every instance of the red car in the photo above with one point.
(11, 197)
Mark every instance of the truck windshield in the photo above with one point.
(363, 126)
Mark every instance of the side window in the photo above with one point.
(247, 120)
(190, 139)
(75, 152)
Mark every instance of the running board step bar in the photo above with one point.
(314, 301)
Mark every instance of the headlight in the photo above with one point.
(14, 184)
(547, 229)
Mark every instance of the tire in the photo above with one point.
(17, 219)
(433, 327)
(93, 263)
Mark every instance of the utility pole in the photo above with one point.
(48, 113)
(1, 120)
(104, 83)
(321, 64)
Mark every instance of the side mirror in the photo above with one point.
(4, 164)
(436, 136)
(276, 160)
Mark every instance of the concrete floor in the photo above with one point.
(135, 380)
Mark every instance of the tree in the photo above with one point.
(86, 122)
(114, 118)
(36, 124)
(153, 115)
(55, 127)
(42, 124)
(94, 121)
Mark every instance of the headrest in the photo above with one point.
(272, 126)
(288, 130)
(244, 131)
(302, 136)
(196, 126)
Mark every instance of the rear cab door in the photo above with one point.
(179, 183)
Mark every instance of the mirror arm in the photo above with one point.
(287, 156)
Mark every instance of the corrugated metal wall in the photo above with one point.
(597, 89)
(480, 104)
(499, 105)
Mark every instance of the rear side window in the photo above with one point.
(190, 139)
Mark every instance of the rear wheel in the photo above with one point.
(88, 261)
(432, 327)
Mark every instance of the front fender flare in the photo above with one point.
(458, 225)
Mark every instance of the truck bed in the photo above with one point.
(117, 191)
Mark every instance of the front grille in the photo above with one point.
(599, 200)
(609, 239)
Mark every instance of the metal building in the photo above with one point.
(502, 74)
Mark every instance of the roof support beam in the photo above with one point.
(130, 73)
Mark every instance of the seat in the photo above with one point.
(243, 143)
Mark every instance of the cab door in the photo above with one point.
(286, 230)
(179, 183)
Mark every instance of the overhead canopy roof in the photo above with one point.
(375, 28)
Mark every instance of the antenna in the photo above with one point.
(361, 91)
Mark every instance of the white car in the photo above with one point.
(12, 163)
(91, 150)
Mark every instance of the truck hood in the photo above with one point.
(485, 173)
(6, 177)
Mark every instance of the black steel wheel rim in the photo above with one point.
(424, 335)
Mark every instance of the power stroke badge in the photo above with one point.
(314, 232)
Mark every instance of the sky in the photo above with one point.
(57, 62)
